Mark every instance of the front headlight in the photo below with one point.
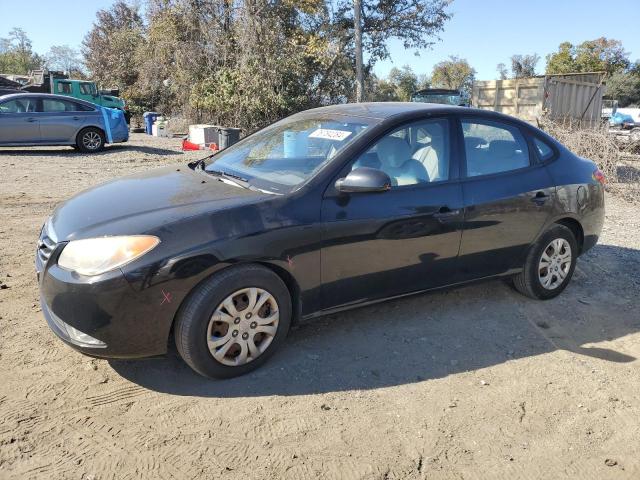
(94, 256)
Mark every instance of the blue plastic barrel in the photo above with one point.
(149, 118)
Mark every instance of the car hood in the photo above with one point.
(146, 201)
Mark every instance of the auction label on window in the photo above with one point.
(329, 134)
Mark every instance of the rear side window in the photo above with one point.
(51, 105)
(545, 152)
(493, 147)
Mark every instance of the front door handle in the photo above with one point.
(446, 212)
(31, 120)
(540, 197)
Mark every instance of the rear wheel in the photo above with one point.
(549, 265)
(233, 322)
(90, 140)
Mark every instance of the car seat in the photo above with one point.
(433, 156)
(395, 159)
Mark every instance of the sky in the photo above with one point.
(485, 32)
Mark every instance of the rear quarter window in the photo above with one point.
(544, 151)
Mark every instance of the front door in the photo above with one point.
(406, 239)
(18, 121)
(508, 198)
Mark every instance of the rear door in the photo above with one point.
(61, 120)
(508, 197)
(19, 121)
(406, 239)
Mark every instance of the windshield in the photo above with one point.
(284, 155)
(438, 98)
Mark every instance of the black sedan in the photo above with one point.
(326, 210)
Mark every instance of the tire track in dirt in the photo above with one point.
(117, 395)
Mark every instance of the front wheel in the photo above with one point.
(549, 265)
(233, 322)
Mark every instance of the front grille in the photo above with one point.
(46, 243)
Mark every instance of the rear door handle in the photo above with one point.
(446, 212)
(76, 118)
(540, 198)
(31, 120)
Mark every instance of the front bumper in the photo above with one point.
(117, 321)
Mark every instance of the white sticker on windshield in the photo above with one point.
(329, 134)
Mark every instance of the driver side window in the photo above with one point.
(412, 154)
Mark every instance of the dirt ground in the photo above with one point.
(476, 382)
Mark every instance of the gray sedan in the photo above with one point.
(42, 119)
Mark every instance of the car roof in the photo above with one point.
(375, 110)
(48, 95)
(386, 110)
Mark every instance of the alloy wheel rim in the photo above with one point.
(91, 140)
(554, 264)
(243, 326)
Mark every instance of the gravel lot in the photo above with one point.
(476, 382)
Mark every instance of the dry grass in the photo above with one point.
(596, 144)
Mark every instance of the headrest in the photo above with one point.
(472, 142)
(394, 147)
(502, 148)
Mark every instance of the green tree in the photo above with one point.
(16, 54)
(246, 63)
(454, 73)
(562, 61)
(624, 86)
(404, 82)
(108, 49)
(599, 55)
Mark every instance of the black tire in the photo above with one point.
(528, 281)
(90, 140)
(192, 320)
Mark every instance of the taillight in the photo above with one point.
(598, 176)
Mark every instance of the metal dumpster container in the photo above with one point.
(572, 96)
(228, 136)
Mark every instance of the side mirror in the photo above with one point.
(364, 179)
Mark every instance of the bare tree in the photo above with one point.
(63, 57)
(502, 71)
(523, 66)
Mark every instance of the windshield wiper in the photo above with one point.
(199, 163)
(225, 176)
(235, 179)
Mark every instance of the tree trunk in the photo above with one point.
(357, 10)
